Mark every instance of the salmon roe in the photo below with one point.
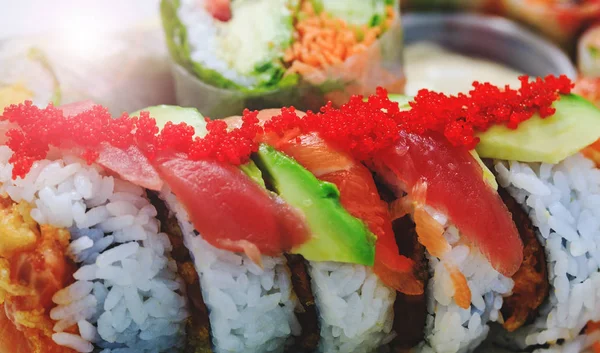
(361, 127)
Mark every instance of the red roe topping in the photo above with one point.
(365, 127)
(460, 117)
(358, 127)
(33, 130)
(361, 127)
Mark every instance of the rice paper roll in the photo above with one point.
(285, 67)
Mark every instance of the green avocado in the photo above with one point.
(575, 125)
(336, 235)
(402, 100)
(191, 116)
(172, 113)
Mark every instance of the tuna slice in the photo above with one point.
(231, 211)
(454, 187)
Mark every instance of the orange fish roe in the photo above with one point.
(322, 41)
(364, 128)
(360, 127)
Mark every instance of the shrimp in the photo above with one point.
(33, 267)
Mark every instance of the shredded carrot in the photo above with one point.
(390, 16)
(322, 41)
(596, 347)
(462, 292)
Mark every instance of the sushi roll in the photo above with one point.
(359, 228)
(465, 289)
(588, 52)
(549, 185)
(27, 74)
(83, 263)
(231, 55)
(589, 88)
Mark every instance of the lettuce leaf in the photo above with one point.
(178, 44)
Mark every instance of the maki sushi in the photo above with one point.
(231, 55)
(27, 74)
(82, 257)
(555, 187)
(370, 226)
(588, 52)
(548, 184)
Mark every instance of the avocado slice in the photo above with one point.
(403, 101)
(175, 114)
(191, 116)
(575, 125)
(336, 235)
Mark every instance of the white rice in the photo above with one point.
(450, 328)
(563, 202)
(355, 307)
(213, 47)
(251, 309)
(127, 296)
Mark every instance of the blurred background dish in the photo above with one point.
(561, 21)
(447, 52)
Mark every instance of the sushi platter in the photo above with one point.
(303, 176)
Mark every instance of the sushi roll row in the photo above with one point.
(231, 55)
(371, 226)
